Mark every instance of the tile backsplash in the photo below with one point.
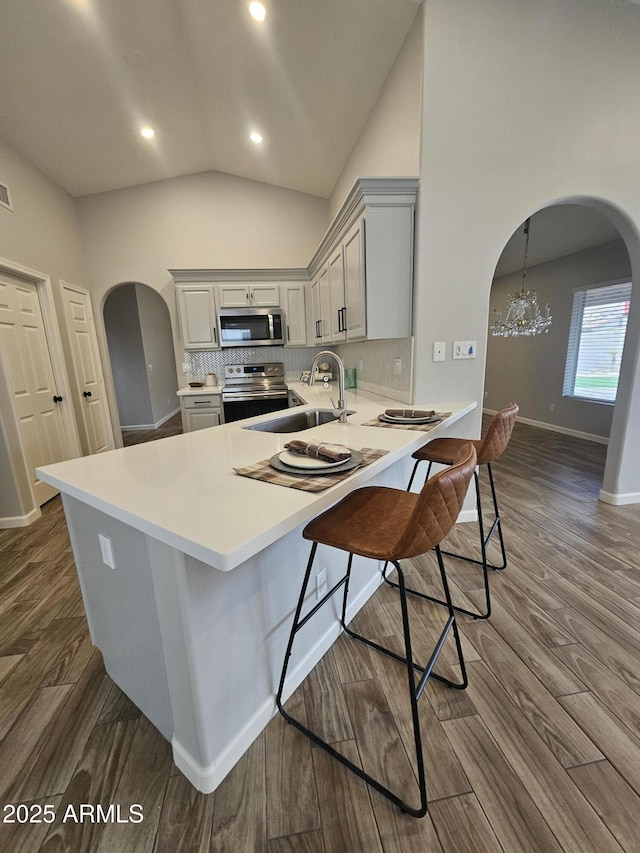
(378, 360)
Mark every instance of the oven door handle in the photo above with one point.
(263, 395)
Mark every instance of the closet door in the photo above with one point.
(87, 367)
(37, 403)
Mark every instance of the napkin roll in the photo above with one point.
(409, 413)
(319, 451)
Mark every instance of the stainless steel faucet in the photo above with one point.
(342, 405)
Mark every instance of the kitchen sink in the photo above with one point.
(297, 421)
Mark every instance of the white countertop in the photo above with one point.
(184, 492)
(203, 389)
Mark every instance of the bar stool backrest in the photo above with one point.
(438, 506)
(498, 434)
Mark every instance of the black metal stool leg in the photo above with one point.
(415, 690)
(295, 626)
(497, 524)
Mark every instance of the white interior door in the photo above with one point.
(87, 368)
(35, 396)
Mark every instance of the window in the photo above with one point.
(596, 339)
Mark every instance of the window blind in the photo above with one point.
(596, 339)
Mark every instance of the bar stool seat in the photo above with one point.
(388, 524)
(444, 451)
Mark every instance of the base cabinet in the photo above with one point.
(200, 411)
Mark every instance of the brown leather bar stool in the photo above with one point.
(488, 449)
(391, 525)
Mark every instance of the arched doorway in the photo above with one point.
(140, 344)
(574, 248)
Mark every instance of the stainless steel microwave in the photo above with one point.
(251, 327)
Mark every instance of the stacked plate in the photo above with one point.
(392, 419)
(295, 463)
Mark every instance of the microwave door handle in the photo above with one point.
(272, 333)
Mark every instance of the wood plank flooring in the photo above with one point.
(172, 426)
(541, 753)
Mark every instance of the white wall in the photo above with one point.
(523, 104)
(389, 144)
(127, 359)
(531, 370)
(155, 330)
(41, 233)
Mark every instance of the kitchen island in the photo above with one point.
(190, 573)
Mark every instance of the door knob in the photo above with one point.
(84, 394)
(57, 399)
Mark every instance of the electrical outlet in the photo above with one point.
(439, 348)
(552, 407)
(185, 367)
(321, 584)
(397, 366)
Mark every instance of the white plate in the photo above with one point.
(296, 460)
(389, 419)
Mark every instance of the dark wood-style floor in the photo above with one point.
(172, 426)
(541, 753)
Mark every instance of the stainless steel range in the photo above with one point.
(253, 389)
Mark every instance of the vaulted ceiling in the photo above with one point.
(81, 77)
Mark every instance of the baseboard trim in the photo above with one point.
(619, 498)
(587, 436)
(467, 515)
(207, 779)
(20, 520)
(150, 426)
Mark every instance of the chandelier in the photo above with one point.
(523, 312)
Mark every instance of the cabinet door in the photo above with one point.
(336, 296)
(200, 419)
(292, 299)
(354, 282)
(197, 315)
(325, 306)
(233, 295)
(264, 295)
(313, 310)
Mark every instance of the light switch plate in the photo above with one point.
(464, 349)
(107, 551)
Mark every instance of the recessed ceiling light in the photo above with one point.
(255, 137)
(147, 132)
(257, 11)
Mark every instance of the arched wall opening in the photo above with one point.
(574, 243)
(141, 356)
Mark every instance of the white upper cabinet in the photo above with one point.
(336, 296)
(355, 319)
(246, 295)
(292, 301)
(197, 315)
(365, 263)
(361, 277)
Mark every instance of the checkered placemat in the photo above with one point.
(419, 427)
(306, 482)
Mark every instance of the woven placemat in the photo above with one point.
(306, 482)
(419, 427)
